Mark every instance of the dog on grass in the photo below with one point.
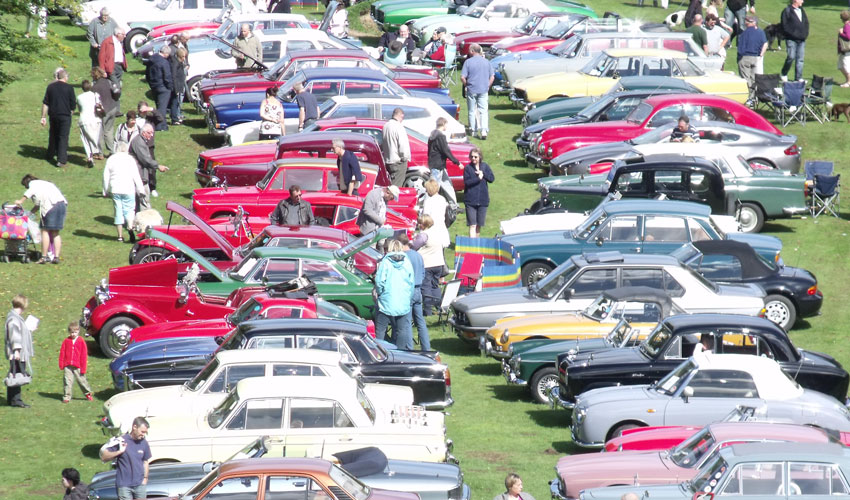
(145, 218)
(840, 109)
(774, 32)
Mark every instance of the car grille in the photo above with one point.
(380, 16)
(202, 164)
(460, 318)
(520, 93)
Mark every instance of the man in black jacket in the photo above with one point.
(161, 82)
(438, 153)
(795, 25)
(58, 104)
(293, 211)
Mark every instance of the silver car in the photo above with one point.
(701, 390)
(760, 149)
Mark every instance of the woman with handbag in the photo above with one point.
(844, 48)
(19, 351)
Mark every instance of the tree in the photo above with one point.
(14, 47)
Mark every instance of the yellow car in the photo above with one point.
(642, 307)
(604, 70)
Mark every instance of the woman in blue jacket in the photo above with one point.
(394, 287)
(476, 176)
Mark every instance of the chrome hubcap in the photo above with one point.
(777, 312)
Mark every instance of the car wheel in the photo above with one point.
(760, 164)
(150, 254)
(416, 181)
(540, 383)
(780, 310)
(115, 335)
(620, 428)
(194, 85)
(135, 39)
(534, 272)
(751, 218)
(346, 306)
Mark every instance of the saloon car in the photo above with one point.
(537, 22)
(629, 226)
(566, 28)
(677, 338)
(174, 361)
(701, 390)
(576, 283)
(431, 481)
(318, 418)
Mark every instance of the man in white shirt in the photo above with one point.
(395, 146)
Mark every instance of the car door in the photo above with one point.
(756, 481)
(318, 427)
(619, 233)
(246, 487)
(252, 418)
(663, 233)
(293, 487)
(709, 396)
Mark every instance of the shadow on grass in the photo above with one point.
(505, 392)
(486, 368)
(567, 448)
(35, 152)
(89, 234)
(105, 394)
(514, 118)
(105, 220)
(94, 349)
(206, 140)
(51, 395)
(773, 227)
(187, 196)
(531, 176)
(91, 450)
(515, 163)
(548, 417)
(76, 38)
(454, 347)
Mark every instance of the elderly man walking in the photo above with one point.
(477, 76)
(395, 146)
(112, 59)
(161, 82)
(101, 28)
(247, 45)
(58, 104)
(140, 150)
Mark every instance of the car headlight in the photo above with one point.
(544, 190)
(580, 414)
(549, 151)
(515, 363)
(541, 147)
(101, 292)
(505, 336)
(500, 52)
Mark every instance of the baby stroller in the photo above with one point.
(19, 232)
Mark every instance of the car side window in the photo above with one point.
(631, 182)
(324, 90)
(410, 112)
(699, 184)
(698, 233)
(666, 115)
(244, 487)
(723, 384)
(674, 350)
(738, 343)
(271, 51)
(345, 214)
(282, 342)
(276, 312)
(293, 45)
(309, 179)
(277, 181)
(353, 110)
(670, 182)
(258, 414)
(672, 287)
(622, 107)
(763, 479)
(656, 66)
(620, 229)
(309, 413)
(715, 114)
(278, 270)
(318, 342)
(663, 228)
(721, 267)
(288, 243)
(593, 282)
(190, 4)
(291, 370)
(643, 277)
(358, 88)
(806, 478)
(229, 377)
(322, 272)
(293, 488)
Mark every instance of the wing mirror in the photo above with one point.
(687, 393)
(568, 293)
(599, 241)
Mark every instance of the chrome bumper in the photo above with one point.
(583, 444)
(523, 146)
(555, 490)
(510, 376)
(211, 127)
(485, 345)
(536, 161)
(501, 89)
(555, 401)
(519, 102)
(466, 332)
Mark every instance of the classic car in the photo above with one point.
(677, 338)
(490, 15)
(633, 225)
(757, 470)
(651, 113)
(244, 107)
(705, 173)
(643, 307)
(174, 361)
(700, 390)
(286, 67)
(792, 292)
(762, 150)
(577, 282)
(389, 15)
(576, 51)
(319, 418)
(681, 463)
(206, 389)
(602, 71)
(537, 22)
(432, 481)
(155, 291)
(225, 243)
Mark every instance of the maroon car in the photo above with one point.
(534, 23)
(234, 82)
(553, 36)
(648, 115)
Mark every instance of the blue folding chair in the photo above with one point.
(791, 106)
(823, 188)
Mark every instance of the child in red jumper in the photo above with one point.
(73, 359)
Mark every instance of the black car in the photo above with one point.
(677, 338)
(791, 292)
(175, 362)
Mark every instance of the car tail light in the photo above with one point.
(448, 375)
(812, 290)
(792, 150)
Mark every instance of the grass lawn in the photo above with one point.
(496, 428)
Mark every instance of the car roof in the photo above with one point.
(696, 99)
(758, 452)
(314, 231)
(275, 465)
(295, 253)
(344, 73)
(327, 53)
(638, 293)
(350, 120)
(751, 265)
(667, 161)
(673, 54)
(385, 99)
(716, 320)
(607, 258)
(723, 431)
(313, 356)
(657, 206)
(331, 327)
(652, 81)
(688, 149)
(667, 35)
(321, 387)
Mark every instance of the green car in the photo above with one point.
(333, 273)
(390, 14)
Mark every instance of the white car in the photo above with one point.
(214, 381)
(490, 15)
(318, 418)
(564, 221)
(420, 114)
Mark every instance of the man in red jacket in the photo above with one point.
(73, 360)
(112, 59)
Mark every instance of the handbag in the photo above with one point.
(17, 377)
(98, 107)
(843, 45)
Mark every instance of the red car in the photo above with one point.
(235, 82)
(649, 114)
(225, 243)
(555, 35)
(191, 29)
(534, 23)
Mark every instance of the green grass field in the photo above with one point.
(496, 428)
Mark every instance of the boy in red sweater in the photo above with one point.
(73, 359)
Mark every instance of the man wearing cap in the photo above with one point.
(101, 28)
(402, 36)
(752, 43)
(435, 43)
(373, 214)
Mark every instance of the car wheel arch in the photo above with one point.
(624, 423)
(537, 261)
(763, 161)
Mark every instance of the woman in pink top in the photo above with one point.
(844, 57)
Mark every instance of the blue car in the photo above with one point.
(232, 109)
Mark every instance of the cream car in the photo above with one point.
(317, 418)
(210, 386)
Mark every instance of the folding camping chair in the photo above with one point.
(450, 293)
(791, 106)
(764, 91)
(469, 271)
(447, 69)
(818, 98)
(823, 188)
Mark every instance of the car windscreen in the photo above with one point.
(640, 113)
(690, 452)
(566, 48)
(202, 376)
(655, 136)
(249, 310)
(671, 382)
(653, 344)
(548, 287)
(593, 221)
